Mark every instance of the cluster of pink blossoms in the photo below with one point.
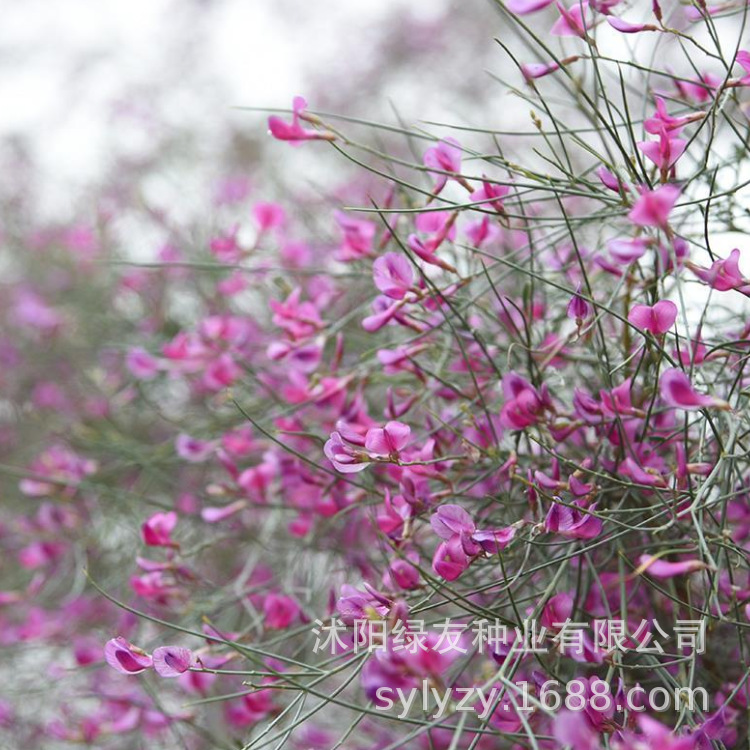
(509, 386)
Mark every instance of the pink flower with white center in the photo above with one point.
(653, 207)
(285, 131)
(157, 530)
(444, 157)
(677, 392)
(723, 275)
(172, 661)
(125, 657)
(656, 319)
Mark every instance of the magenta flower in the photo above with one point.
(657, 319)
(157, 530)
(665, 569)
(350, 451)
(125, 657)
(572, 523)
(192, 449)
(386, 442)
(462, 541)
(578, 308)
(358, 237)
(172, 661)
(653, 207)
(293, 131)
(629, 28)
(522, 7)
(724, 275)
(665, 152)
(524, 405)
(142, 365)
(393, 275)
(280, 611)
(628, 251)
(426, 251)
(662, 120)
(444, 157)
(269, 216)
(572, 21)
(490, 194)
(677, 392)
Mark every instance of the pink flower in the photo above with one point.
(280, 611)
(568, 521)
(142, 365)
(657, 319)
(522, 7)
(445, 157)
(268, 216)
(572, 21)
(627, 251)
(665, 152)
(662, 120)
(192, 449)
(393, 275)
(630, 28)
(358, 237)
(676, 391)
(572, 728)
(743, 58)
(653, 207)
(293, 131)
(462, 541)
(172, 661)
(524, 405)
(346, 452)
(490, 194)
(426, 251)
(157, 530)
(578, 308)
(724, 275)
(665, 569)
(125, 657)
(386, 442)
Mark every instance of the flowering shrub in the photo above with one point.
(483, 425)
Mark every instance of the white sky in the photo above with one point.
(63, 62)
